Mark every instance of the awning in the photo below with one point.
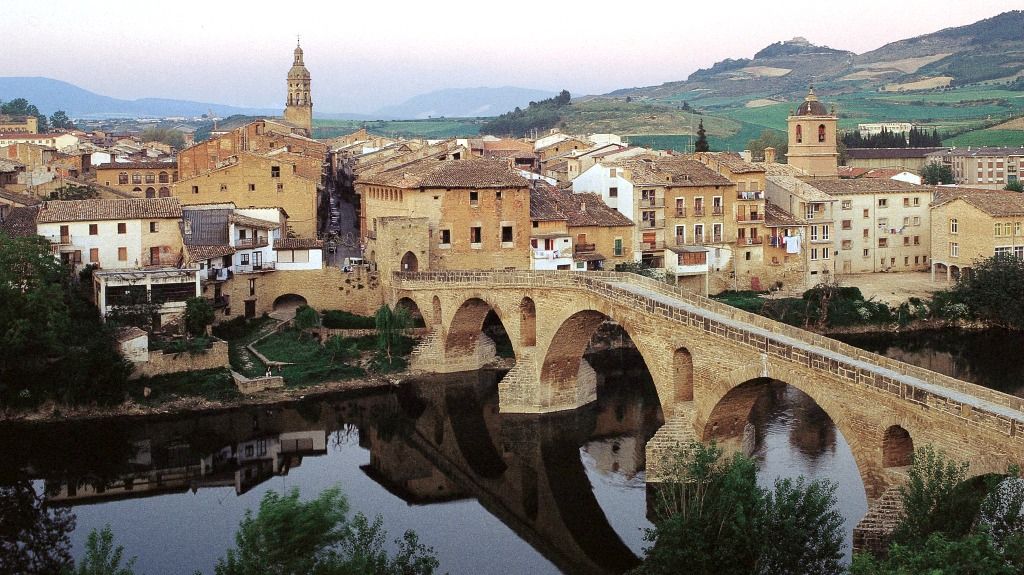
(589, 257)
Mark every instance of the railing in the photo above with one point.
(652, 202)
(251, 243)
(651, 246)
(585, 248)
(680, 212)
(717, 210)
(651, 224)
(548, 254)
(749, 195)
(698, 211)
(1004, 414)
(59, 240)
(752, 217)
(750, 241)
(255, 268)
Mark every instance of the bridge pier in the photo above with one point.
(431, 356)
(874, 531)
(522, 391)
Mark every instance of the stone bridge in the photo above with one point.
(708, 362)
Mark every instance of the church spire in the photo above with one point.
(299, 105)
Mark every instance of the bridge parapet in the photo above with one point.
(972, 404)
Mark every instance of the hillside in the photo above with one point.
(463, 103)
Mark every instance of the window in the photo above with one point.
(136, 178)
(195, 189)
(883, 202)
(999, 230)
(252, 187)
(613, 192)
(917, 240)
(122, 228)
(506, 234)
(252, 286)
(824, 232)
(617, 249)
(223, 187)
(847, 224)
(826, 253)
(867, 232)
(163, 178)
(953, 225)
(906, 240)
(497, 195)
(906, 220)
(847, 244)
(275, 171)
(150, 178)
(122, 254)
(94, 255)
(1016, 229)
(867, 213)
(475, 235)
(536, 224)
(883, 242)
(242, 234)
(916, 220)
(799, 134)
(94, 229)
(882, 222)
(245, 260)
(122, 178)
(865, 254)
(954, 249)
(154, 227)
(280, 187)
(906, 202)
(821, 133)
(474, 199)
(847, 204)
(446, 237)
(814, 233)
(814, 254)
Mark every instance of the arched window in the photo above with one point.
(799, 134)
(821, 133)
(122, 178)
(164, 192)
(150, 193)
(164, 178)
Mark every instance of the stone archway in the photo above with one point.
(413, 309)
(682, 376)
(897, 447)
(150, 192)
(289, 302)
(410, 263)
(465, 336)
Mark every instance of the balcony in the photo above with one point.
(585, 248)
(548, 254)
(749, 195)
(753, 217)
(219, 302)
(717, 210)
(255, 268)
(680, 212)
(652, 202)
(59, 240)
(652, 246)
(651, 224)
(251, 243)
(163, 260)
(755, 241)
(698, 211)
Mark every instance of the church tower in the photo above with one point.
(299, 108)
(812, 138)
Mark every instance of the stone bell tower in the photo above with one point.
(299, 108)
(812, 138)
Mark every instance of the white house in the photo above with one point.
(609, 182)
(299, 253)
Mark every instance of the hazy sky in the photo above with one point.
(367, 54)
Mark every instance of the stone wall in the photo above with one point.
(163, 363)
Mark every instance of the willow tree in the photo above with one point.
(392, 325)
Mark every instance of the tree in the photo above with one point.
(935, 173)
(101, 557)
(994, 291)
(22, 107)
(288, 536)
(172, 138)
(74, 192)
(306, 318)
(563, 98)
(711, 517)
(34, 536)
(391, 328)
(769, 139)
(702, 139)
(59, 120)
(198, 316)
(1014, 186)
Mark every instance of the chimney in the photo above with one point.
(583, 207)
(769, 155)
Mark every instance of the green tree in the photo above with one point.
(172, 138)
(198, 316)
(392, 325)
(933, 499)
(701, 145)
(769, 139)
(34, 536)
(711, 517)
(306, 318)
(287, 536)
(339, 349)
(102, 557)
(974, 554)
(59, 120)
(74, 192)
(935, 173)
(994, 291)
(1014, 186)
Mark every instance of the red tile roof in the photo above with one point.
(91, 210)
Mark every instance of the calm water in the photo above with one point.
(490, 492)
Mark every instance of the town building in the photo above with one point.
(142, 179)
(813, 208)
(113, 234)
(58, 141)
(576, 231)
(812, 138)
(167, 287)
(299, 107)
(968, 225)
(903, 159)
(988, 167)
(19, 124)
(875, 128)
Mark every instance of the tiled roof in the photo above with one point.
(138, 166)
(8, 165)
(799, 188)
(548, 203)
(248, 222)
(989, 151)
(129, 333)
(775, 216)
(993, 202)
(203, 253)
(91, 210)
(21, 199)
(777, 169)
(20, 221)
(298, 244)
(468, 173)
(838, 187)
(670, 172)
(731, 160)
(889, 153)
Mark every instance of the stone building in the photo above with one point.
(576, 231)
(475, 214)
(812, 138)
(987, 167)
(19, 124)
(969, 225)
(817, 209)
(148, 179)
(265, 137)
(299, 107)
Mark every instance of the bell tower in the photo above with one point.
(299, 108)
(812, 138)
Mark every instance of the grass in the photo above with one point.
(212, 384)
(312, 364)
(433, 128)
(239, 333)
(338, 319)
(987, 138)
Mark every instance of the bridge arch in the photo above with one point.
(682, 376)
(467, 327)
(410, 306)
(289, 302)
(897, 447)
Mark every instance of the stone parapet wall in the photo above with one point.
(163, 363)
(970, 404)
(325, 333)
(257, 384)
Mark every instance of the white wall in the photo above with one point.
(597, 180)
(316, 260)
(107, 240)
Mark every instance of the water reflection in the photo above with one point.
(491, 492)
